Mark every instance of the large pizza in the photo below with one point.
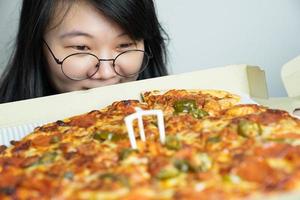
(215, 148)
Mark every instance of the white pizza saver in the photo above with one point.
(139, 116)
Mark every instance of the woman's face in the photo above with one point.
(85, 30)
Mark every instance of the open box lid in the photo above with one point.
(290, 74)
(235, 78)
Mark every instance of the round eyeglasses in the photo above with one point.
(81, 66)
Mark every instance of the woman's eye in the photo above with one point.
(81, 48)
(126, 45)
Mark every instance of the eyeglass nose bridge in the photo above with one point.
(105, 59)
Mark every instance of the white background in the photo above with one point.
(210, 33)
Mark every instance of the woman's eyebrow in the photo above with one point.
(122, 34)
(75, 34)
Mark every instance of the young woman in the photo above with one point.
(68, 45)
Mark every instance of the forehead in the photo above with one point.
(81, 16)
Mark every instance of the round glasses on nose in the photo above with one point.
(81, 66)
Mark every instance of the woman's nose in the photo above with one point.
(106, 70)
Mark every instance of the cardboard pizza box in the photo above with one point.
(236, 78)
(17, 119)
(290, 104)
(290, 73)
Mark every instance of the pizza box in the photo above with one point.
(22, 116)
(290, 73)
(17, 119)
(290, 104)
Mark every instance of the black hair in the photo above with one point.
(26, 74)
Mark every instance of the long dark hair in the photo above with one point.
(26, 74)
